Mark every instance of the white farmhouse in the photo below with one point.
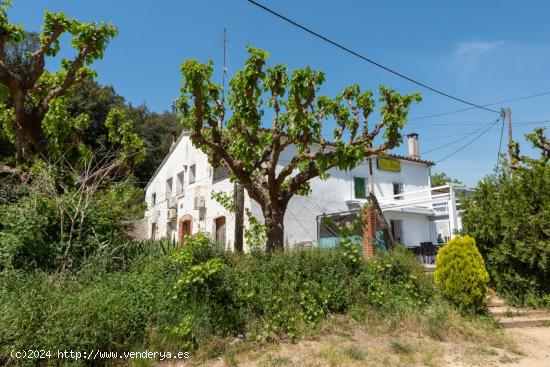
(180, 203)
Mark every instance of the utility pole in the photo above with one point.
(224, 70)
(510, 138)
(238, 189)
(239, 216)
(511, 156)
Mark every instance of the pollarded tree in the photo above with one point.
(36, 97)
(252, 153)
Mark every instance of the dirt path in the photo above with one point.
(529, 328)
(535, 343)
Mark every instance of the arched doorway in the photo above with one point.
(185, 228)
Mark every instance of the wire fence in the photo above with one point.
(184, 214)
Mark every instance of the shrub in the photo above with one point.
(509, 216)
(91, 309)
(285, 294)
(43, 232)
(460, 273)
(199, 293)
(395, 282)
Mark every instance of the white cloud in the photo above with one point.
(469, 57)
(475, 48)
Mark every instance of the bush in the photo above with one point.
(460, 273)
(509, 216)
(395, 282)
(285, 294)
(91, 309)
(201, 292)
(41, 232)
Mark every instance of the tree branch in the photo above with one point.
(38, 57)
(69, 80)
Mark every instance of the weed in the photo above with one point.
(332, 356)
(230, 357)
(276, 361)
(355, 353)
(436, 320)
(400, 347)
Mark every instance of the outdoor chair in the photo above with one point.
(417, 250)
(428, 252)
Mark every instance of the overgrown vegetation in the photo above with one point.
(60, 223)
(509, 216)
(91, 309)
(200, 293)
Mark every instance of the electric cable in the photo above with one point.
(470, 142)
(485, 105)
(375, 63)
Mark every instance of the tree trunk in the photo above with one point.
(23, 153)
(274, 221)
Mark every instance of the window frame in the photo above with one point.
(180, 183)
(223, 176)
(169, 187)
(399, 194)
(365, 191)
(192, 174)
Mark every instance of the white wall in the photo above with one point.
(416, 227)
(327, 196)
(180, 159)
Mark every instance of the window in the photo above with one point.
(220, 173)
(397, 190)
(192, 173)
(397, 230)
(360, 187)
(153, 199)
(169, 188)
(179, 183)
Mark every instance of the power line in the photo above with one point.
(534, 122)
(485, 105)
(470, 142)
(456, 141)
(367, 59)
(445, 136)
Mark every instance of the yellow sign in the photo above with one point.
(386, 164)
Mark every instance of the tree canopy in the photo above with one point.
(441, 179)
(509, 216)
(35, 114)
(251, 151)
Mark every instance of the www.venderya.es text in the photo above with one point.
(96, 354)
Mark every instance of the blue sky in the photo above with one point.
(482, 51)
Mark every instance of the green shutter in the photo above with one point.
(359, 186)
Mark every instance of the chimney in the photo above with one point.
(174, 137)
(413, 145)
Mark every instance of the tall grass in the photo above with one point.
(154, 295)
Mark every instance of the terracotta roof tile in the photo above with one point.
(407, 158)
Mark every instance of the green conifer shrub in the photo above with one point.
(460, 273)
